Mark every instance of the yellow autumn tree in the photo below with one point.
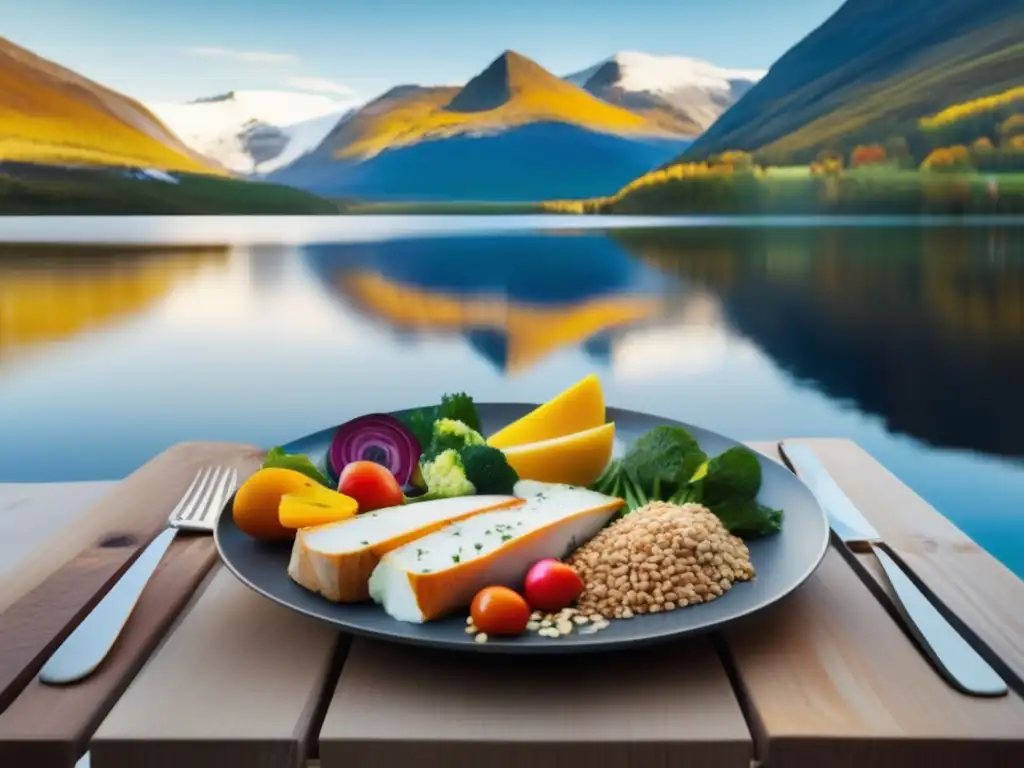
(955, 158)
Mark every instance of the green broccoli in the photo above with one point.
(445, 478)
(457, 405)
(451, 434)
(475, 469)
(488, 469)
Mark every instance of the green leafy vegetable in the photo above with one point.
(735, 475)
(421, 423)
(662, 460)
(665, 464)
(276, 457)
(748, 518)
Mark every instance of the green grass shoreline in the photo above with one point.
(107, 192)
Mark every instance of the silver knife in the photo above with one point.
(961, 665)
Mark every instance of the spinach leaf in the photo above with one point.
(662, 460)
(734, 475)
(748, 517)
(276, 457)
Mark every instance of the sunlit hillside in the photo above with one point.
(46, 296)
(869, 73)
(49, 114)
(531, 332)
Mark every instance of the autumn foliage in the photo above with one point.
(873, 154)
(955, 158)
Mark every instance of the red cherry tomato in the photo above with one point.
(370, 484)
(499, 611)
(551, 585)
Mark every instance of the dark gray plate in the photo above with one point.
(783, 562)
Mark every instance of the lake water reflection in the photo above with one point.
(907, 340)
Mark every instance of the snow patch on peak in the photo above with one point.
(663, 74)
(647, 72)
(248, 131)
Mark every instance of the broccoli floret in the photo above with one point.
(451, 434)
(488, 469)
(445, 478)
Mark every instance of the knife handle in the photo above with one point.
(88, 645)
(958, 662)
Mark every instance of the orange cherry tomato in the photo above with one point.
(499, 611)
(371, 485)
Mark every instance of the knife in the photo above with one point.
(961, 665)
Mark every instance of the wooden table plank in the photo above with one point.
(238, 682)
(396, 705)
(108, 538)
(34, 520)
(48, 726)
(978, 589)
(829, 679)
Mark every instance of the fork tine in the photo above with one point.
(187, 495)
(198, 498)
(220, 497)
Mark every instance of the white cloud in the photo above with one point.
(247, 57)
(320, 85)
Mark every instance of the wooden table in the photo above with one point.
(209, 674)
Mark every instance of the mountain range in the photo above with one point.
(514, 132)
(870, 70)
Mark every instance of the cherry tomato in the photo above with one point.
(551, 585)
(499, 611)
(370, 484)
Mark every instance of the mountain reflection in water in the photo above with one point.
(899, 338)
(923, 327)
(515, 299)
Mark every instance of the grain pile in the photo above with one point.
(659, 558)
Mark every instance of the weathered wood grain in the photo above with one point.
(50, 726)
(36, 530)
(238, 682)
(672, 705)
(828, 678)
(978, 589)
(110, 536)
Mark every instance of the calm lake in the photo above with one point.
(907, 339)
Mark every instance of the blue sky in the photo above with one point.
(176, 50)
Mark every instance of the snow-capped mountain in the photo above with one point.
(686, 93)
(254, 131)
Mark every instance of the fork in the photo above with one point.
(86, 648)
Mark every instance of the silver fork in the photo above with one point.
(85, 648)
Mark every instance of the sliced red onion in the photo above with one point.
(376, 437)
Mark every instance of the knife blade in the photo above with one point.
(959, 663)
